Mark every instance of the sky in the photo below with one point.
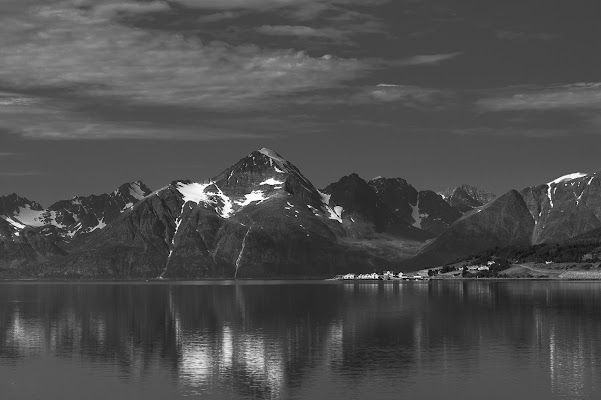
(498, 94)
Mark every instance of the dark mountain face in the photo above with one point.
(506, 221)
(24, 247)
(425, 210)
(259, 218)
(564, 208)
(465, 197)
(434, 215)
(11, 204)
(557, 211)
(262, 218)
(363, 209)
(358, 200)
(397, 195)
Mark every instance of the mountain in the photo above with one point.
(565, 207)
(465, 197)
(425, 210)
(363, 212)
(258, 218)
(66, 219)
(30, 234)
(262, 218)
(21, 245)
(554, 212)
(505, 221)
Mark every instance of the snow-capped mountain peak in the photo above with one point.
(567, 178)
(81, 214)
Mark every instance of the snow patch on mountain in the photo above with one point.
(194, 192)
(254, 196)
(101, 225)
(566, 178)
(415, 215)
(550, 195)
(14, 223)
(30, 217)
(227, 209)
(333, 213)
(552, 186)
(272, 182)
(272, 154)
(281, 165)
(136, 191)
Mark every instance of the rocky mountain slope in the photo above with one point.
(262, 218)
(30, 234)
(465, 197)
(258, 218)
(69, 218)
(549, 213)
(565, 207)
(425, 210)
(505, 221)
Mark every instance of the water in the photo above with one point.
(301, 340)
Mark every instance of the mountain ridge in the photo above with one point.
(262, 218)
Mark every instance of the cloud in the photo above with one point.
(272, 4)
(67, 64)
(300, 31)
(11, 100)
(428, 59)
(74, 48)
(58, 119)
(220, 16)
(109, 9)
(406, 94)
(577, 96)
(58, 56)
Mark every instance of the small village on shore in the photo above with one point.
(384, 276)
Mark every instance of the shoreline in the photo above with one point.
(289, 280)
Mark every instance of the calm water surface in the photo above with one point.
(301, 340)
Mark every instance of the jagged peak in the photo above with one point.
(470, 189)
(14, 199)
(382, 178)
(271, 154)
(136, 189)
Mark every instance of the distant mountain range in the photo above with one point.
(553, 212)
(262, 218)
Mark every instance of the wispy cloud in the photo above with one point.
(110, 8)
(272, 4)
(81, 48)
(72, 48)
(428, 59)
(402, 95)
(300, 31)
(566, 97)
(407, 94)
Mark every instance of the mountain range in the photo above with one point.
(262, 218)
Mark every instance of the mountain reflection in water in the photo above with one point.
(308, 340)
